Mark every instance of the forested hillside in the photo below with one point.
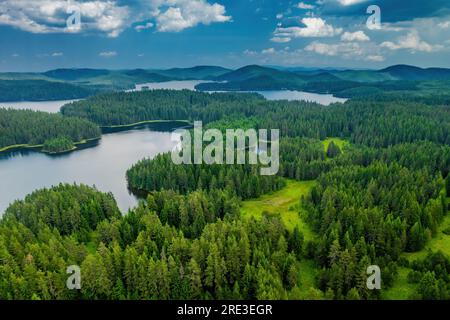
(40, 90)
(26, 127)
(130, 107)
(227, 259)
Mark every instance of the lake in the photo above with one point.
(47, 106)
(323, 99)
(104, 165)
(105, 162)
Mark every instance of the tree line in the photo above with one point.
(36, 127)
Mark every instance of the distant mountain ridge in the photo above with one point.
(247, 73)
(344, 83)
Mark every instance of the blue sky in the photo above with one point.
(121, 34)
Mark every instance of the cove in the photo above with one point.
(101, 163)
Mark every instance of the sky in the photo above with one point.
(39, 35)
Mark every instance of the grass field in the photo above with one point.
(440, 242)
(341, 143)
(285, 202)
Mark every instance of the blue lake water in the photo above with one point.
(103, 165)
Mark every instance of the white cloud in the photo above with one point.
(354, 36)
(411, 41)
(50, 16)
(110, 17)
(248, 52)
(279, 16)
(350, 2)
(189, 13)
(375, 58)
(280, 40)
(305, 6)
(444, 25)
(314, 27)
(347, 49)
(141, 27)
(268, 51)
(108, 54)
(57, 54)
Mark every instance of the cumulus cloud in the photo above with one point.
(411, 41)
(189, 13)
(313, 27)
(354, 36)
(50, 16)
(57, 54)
(109, 16)
(108, 54)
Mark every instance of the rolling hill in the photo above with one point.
(405, 72)
(255, 77)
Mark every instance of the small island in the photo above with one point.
(58, 145)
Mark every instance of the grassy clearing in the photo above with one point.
(306, 276)
(401, 289)
(285, 202)
(440, 242)
(341, 143)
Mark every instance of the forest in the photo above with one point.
(378, 196)
(41, 90)
(26, 127)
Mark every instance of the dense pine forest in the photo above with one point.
(26, 127)
(378, 197)
(372, 123)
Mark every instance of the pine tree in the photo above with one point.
(333, 150)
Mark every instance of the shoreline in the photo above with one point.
(131, 125)
(86, 141)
